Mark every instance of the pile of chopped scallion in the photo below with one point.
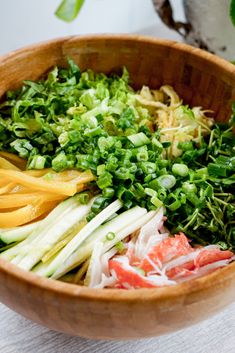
(91, 121)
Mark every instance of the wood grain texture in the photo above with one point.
(18, 335)
(201, 79)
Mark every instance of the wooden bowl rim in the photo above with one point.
(213, 280)
(194, 286)
(188, 49)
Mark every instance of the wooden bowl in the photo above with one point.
(201, 79)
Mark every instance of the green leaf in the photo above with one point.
(232, 11)
(69, 9)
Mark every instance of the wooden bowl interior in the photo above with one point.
(201, 79)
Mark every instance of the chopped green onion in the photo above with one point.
(185, 146)
(93, 132)
(154, 199)
(105, 180)
(167, 181)
(83, 198)
(110, 236)
(37, 162)
(180, 169)
(108, 192)
(217, 170)
(157, 144)
(139, 139)
(120, 246)
(188, 187)
(142, 154)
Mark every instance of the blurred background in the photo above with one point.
(23, 22)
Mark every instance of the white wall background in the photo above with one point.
(23, 22)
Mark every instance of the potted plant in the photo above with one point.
(209, 24)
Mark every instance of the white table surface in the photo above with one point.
(216, 335)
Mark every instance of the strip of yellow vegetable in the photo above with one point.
(84, 178)
(68, 278)
(61, 244)
(5, 164)
(20, 189)
(57, 187)
(60, 187)
(81, 272)
(37, 173)
(70, 175)
(24, 214)
(19, 200)
(13, 158)
(7, 188)
(3, 181)
(57, 248)
(49, 174)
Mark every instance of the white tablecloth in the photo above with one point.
(216, 335)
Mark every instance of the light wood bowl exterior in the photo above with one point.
(200, 79)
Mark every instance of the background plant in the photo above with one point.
(232, 11)
(68, 10)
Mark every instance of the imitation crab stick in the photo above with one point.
(203, 258)
(171, 261)
(129, 277)
(165, 251)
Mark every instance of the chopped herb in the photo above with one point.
(84, 120)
